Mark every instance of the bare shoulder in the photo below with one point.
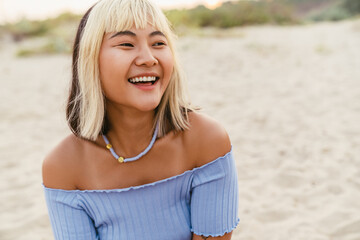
(206, 140)
(59, 169)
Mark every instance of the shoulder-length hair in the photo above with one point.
(86, 110)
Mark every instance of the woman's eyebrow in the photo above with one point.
(132, 34)
(157, 33)
(123, 33)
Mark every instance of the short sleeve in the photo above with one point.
(68, 220)
(214, 198)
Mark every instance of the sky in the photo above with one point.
(12, 10)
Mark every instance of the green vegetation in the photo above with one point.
(248, 12)
(334, 13)
(58, 33)
(52, 46)
(352, 6)
(26, 28)
(232, 14)
(2, 31)
(323, 10)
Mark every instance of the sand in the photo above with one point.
(288, 96)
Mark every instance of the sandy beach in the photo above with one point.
(288, 96)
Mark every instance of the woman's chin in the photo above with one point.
(149, 106)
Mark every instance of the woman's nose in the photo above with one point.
(146, 58)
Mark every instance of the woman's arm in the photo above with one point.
(68, 218)
(214, 193)
(227, 236)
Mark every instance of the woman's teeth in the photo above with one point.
(142, 79)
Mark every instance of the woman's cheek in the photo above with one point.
(169, 61)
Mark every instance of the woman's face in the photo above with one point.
(135, 68)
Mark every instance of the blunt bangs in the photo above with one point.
(126, 14)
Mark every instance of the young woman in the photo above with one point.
(141, 163)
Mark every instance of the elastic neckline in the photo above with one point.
(114, 190)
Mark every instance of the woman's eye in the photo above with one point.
(159, 44)
(126, 45)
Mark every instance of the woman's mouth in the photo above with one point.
(144, 81)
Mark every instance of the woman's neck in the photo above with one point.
(130, 131)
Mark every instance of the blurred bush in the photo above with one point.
(59, 32)
(335, 13)
(26, 28)
(52, 46)
(323, 10)
(2, 31)
(353, 6)
(232, 14)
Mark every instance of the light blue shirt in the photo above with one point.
(203, 200)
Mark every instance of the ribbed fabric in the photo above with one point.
(203, 200)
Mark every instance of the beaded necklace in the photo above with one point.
(122, 159)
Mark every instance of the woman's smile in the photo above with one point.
(145, 81)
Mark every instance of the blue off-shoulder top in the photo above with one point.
(203, 201)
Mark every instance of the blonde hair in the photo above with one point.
(86, 104)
